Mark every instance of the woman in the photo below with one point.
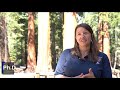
(84, 60)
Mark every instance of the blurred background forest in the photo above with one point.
(36, 39)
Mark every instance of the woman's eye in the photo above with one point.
(85, 33)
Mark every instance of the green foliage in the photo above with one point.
(17, 32)
(90, 18)
(114, 30)
(56, 19)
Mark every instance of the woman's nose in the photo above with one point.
(82, 35)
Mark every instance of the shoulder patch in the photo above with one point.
(99, 59)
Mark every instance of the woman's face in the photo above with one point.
(83, 36)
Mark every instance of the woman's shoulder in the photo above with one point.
(102, 54)
(67, 50)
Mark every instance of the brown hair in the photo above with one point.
(93, 54)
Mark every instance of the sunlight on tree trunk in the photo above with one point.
(49, 48)
(44, 54)
(103, 34)
(70, 23)
(106, 40)
(31, 58)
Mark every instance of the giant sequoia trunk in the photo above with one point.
(69, 29)
(2, 46)
(106, 40)
(103, 34)
(44, 52)
(4, 41)
(31, 57)
(100, 34)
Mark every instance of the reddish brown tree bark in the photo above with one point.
(106, 41)
(100, 34)
(4, 46)
(31, 57)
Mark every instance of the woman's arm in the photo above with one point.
(107, 72)
(59, 71)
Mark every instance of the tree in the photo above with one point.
(31, 57)
(70, 23)
(4, 40)
(103, 36)
(106, 40)
(56, 26)
(100, 33)
(17, 28)
(43, 56)
(1, 43)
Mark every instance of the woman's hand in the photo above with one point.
(79, 76)
(89, 75)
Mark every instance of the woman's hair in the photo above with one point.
(93, 53)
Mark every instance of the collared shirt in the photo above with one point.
(71, 66)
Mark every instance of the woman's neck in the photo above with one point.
(84, 51)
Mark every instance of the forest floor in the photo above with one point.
(21, 72)
(18, 73)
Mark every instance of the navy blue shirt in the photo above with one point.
(71, 66)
